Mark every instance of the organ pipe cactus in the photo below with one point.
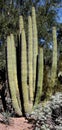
(54, 60)
(33, 56)
(54, 64)
(40, 76)
(35, 46)
(11, 77)
(24, 65)
(14, 65)
(24, 71)
(30, 58)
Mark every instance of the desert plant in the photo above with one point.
(35, 46)
(31, 66)
(11, 77)
(54, 59)
(40, 75)
(54, 64)
(21, 25)
(23, 64)
(14, 65)
(30, 58)
(24, 71)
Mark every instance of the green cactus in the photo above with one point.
(40, 76)
(30, 58)
(54, 64)
(11, 77)
(54, 60)
(35, 46)
(21, 25)
(14, 65)
(24, 71)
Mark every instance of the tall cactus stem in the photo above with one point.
(35, 46)
(30, 58)
(14, 65)
(21, 24)
(11, 78)
(54, 60)
(24, 71)
(40, 76)
(54, 64)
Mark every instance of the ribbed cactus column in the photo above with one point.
(35, 46)
(11, 77)
(54, 64)
(54, 59)
(24, 71)
(30, 58)
(40, 75)
(21, 25)
(14, 65)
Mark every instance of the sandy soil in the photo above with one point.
(17, 124)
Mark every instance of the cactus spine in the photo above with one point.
(35, 46)
(11, 77)
(30, 58)
(40, 75)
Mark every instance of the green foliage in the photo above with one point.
(8, 18)
(8, 23)
(45, 20)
